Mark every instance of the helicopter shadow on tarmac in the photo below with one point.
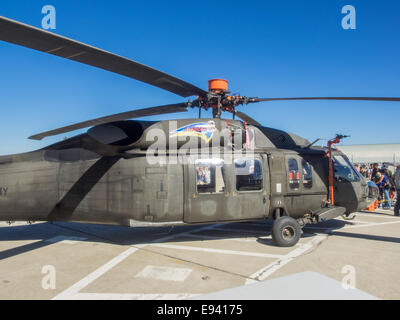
(129, 236)
(333, 227)
(120, 235)
(336, 226)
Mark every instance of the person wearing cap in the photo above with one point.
(396, 181)
(388, 172)
(382, 181)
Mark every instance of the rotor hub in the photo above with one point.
(218, 98)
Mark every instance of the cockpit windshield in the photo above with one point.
(343, 170)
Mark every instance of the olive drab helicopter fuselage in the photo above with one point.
(282, 176)
(205, 170)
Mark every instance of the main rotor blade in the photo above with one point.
(247, 118)
(172, 108)
(41, 40)
(329, 98)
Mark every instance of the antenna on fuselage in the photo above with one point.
(312, 143)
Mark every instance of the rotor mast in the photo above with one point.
(219, 87)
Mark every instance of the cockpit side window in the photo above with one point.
(307, 174)
(248, 174)
(210, 176)
(293, 174)
(343, 170)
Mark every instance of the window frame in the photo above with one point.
(223, 173)
(356, 174)
(290, 188)
(262, 175)
(311, 172)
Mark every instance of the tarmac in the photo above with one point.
(87, 261)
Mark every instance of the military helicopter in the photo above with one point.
(205, 170)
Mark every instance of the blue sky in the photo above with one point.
(264, 48)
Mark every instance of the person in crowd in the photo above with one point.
(387, 182)
(382, 181)
(369, 172)
(364, 171)
(396, 181)
(386, 166)
(375, 170)
(370, 168)
(376, 180)
(388, 172)
(392, 194)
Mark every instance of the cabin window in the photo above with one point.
(307, 174)
(293, 172)
(343, 170)
(210, 176)
(248, 174)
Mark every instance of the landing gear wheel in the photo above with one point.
(286, 232)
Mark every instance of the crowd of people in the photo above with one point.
(387, 182)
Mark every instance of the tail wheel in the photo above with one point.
(286, 232)
(349, 216)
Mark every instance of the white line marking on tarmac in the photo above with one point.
(377, 215)
(240, 230)
(368, 225)
(73, 290)
(265, 272)
(361, 225)
(17, 223)
(205, 237)
(241, 253)
(130, 296)
(65, 239)
(358, 222)
(164, 273)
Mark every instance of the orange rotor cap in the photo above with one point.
(218, 85)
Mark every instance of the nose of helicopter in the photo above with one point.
(368, 196)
